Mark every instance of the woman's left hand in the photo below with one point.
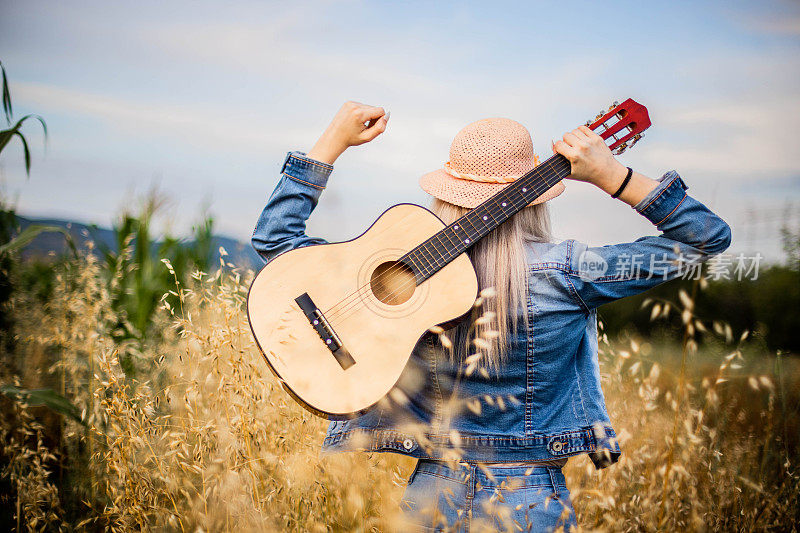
(590, 158)
(353, 125)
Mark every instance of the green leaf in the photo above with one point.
(6, 95)
(30, 233)
(43, 397)
(26, 152)
(14, 131)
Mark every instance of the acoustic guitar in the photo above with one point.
(338, 322)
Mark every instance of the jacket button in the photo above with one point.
(408, 444)
(557, 446)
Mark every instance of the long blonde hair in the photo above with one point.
(499, 261)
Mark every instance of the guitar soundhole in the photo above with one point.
(393, 282)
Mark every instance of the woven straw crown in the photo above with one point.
(485, 156)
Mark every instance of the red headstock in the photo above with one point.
(623, 124)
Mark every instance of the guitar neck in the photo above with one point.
(436, 252)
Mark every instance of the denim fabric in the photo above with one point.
(468, 497)
(546, 402)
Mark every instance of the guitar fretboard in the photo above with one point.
(436, 252)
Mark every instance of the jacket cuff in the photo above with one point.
(301, 168)
(606, 451)
(662, 201)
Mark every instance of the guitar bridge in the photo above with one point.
(325, 331)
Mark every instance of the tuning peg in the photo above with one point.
(636, 138)
(621, 148)
(596, 118)
(612, 106)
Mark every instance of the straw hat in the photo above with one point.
(485, 156)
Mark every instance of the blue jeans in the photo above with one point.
(469, 497)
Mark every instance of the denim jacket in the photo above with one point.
(545, 402)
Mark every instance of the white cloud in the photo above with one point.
(787, 25)
(739, 137)
(201, 126)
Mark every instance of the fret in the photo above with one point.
(469, 238)
(489, 214)
(458, 232)
(427, 262)
(447, 234)
(429, 257)
(438, 246)
(462, 234)
(446, 247)
(419, 269)
(502, 214)
(423, 249)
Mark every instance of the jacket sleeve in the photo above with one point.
(690, 234)
(282, 224)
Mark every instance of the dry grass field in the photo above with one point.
(192, 433)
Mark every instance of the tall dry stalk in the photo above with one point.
(207, 440)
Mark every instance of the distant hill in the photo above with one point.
(46, 244)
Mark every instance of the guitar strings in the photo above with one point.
(517, 196)
(352, 301)
(401, 265)
(347, 311)
(537, 188)
(397, 268)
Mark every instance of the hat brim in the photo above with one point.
(471, 194)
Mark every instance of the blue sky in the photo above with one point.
(203, 99)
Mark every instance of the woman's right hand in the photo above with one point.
(592, 161)
(590, 158)
(353, 125)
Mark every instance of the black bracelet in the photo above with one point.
(624, 183)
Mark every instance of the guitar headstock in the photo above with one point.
(622, 124)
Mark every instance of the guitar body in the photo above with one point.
(368, 300)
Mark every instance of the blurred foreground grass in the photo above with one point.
(202, 438)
